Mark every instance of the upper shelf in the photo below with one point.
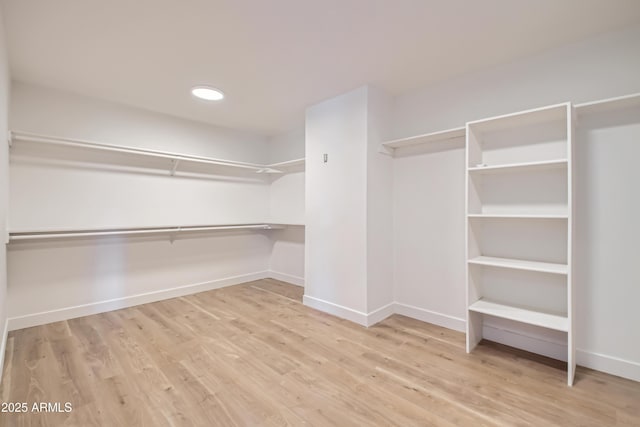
(618, 103)
(535, 116)
(389, 147)
(175, 158)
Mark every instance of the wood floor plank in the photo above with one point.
(252, 354)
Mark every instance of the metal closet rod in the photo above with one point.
(142, 230)
(32, 137)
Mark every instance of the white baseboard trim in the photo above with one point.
(3, 345)
(440, 319)
(383, 312)
(337, 310)
(42, 318)
(609, 364)
(378, 315)
(294, 280)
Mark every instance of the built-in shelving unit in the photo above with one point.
(389, 147)
(173, 161)
(519, 222)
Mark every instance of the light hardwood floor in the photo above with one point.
(253, 355)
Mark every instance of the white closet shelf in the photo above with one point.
(604, 105)
(524, 315)
(535, 116)
(97, 232)
(523, 216)
(518, 264)
(427, 138)
(521, 167)
(175, 158)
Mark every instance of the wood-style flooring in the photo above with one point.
(253, 355)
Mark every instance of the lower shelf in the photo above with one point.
(518, 264)
(532, 317)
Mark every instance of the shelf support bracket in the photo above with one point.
(174, 166)
(386, 151)
(172, 235)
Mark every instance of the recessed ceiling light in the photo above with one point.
(207, 93)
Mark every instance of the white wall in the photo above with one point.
(429, 193)
(287, 206)
(607, 278)
(287, 146)
(428, 215)
(49, 195)
(336, 207)
(349, 253)
(287, 255)
(4, 184)
(596, 68)
(47, 111)
(55, 280)
(379, 219)
(286, 199)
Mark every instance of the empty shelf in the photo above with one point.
(544, 267)
(525, 216)
(520, 167)
(520, 119)
(532, 317)
(425, 138)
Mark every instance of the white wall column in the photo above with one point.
(348, 255)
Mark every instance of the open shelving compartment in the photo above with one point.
(444, 136)
(519, 222)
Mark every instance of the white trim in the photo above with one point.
(3, 346)
(67, 313)
(433, 317)
(294, 280)
(609, 364)
(337, 310)
(379, 314)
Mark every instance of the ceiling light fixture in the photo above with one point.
(207, 93)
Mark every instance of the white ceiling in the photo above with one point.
(273, 58)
